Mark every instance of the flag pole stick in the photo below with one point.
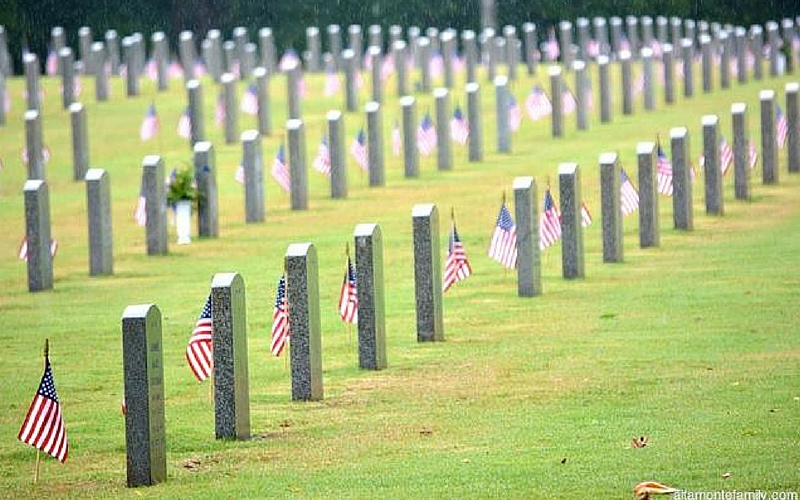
(38, 451)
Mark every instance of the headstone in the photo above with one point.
(231, 64)
(161, 59)
(649, 231)
(375, 144)
(34, 145)
(662, 28)
(601, 34)
(58, 40)
(502, 101)
(633, 33)
(769, 150)
(611, 209)
(583, 38)
(6, 63)
(757, 50)
(266, 45)
(262, 88)
(231, 121)
(475, 139)
(143, 368)
(194, 93)
(725, 59)
(302, 295)
(350, 79)
(444, 150)
(740, 42)
(427, 273)
(371, 315)
(248, 60)
(627, 82)
(488, 14)
(241, 40)
(205, 176)
(187, 53)
(433, 36)
(129, 59)
(773, 40)
(155, 204)
(335, 44)
(410, 152)
(356, 43)
(84, 47)
(293, 77)
(395, 33)
(253, 165)
(689, 29)
(711, 169)
(98, 203)
(687, 53)
(569, 183)
(741, 144)
(448, 43)
(793, 122)
(647, 76)
(669, 73)
(530, 43)
(605, 89)
(556, 116)
(231, 383)
(424, 51)
(616, 34)
(647, 31)
(526, 211)
(413, 44)
(470, 45)
(706, 63)
(787, 26)
(112, 51)
(2, 99)
(510, 45)
(496, 50)
(100, 74)
(582, 106)
(67, 61)
(213, 51)
(80, 141)
(37, 234)
(298, 173)
(682, 213)
(31, 63)
(374, 54)
(676, 26)
(336, 149)
(375, 36)
(401, 68)
(565, 32)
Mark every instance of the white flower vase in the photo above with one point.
(183, 221)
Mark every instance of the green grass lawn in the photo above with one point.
(693, 344)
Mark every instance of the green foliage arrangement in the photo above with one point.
(182, 187)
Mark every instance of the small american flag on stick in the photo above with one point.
(348, 297)
(456, 267)
(503, 247)
(280, 320)
(199, 353)
(549, 222)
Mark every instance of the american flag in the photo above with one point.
(538, 104)
(348, 297)
(397, 140)
(51, 64)
(568, 104)
(638, 85)
(459, 128)
(323, 160)
(426, 136)
(280, 320)
(219, 111)
(549, 222)
(6, 103)
(514, 114)
(593, 48)
(249, 104)
(152, 70)
(239, 175)
(45, 155)
(280, 171)
(629, 197)
(781, 127)
(302, 88)
(586, 216)
(725, 156)
(436, 65)
(149, 127)
(752, 154)
(288, 60)
(175, 70)
(43, 427)
(140, 212)
(664, 173)
(387, 67)
(185, 125)
(550, 48)
(456, 267)
(503, 248)
(22, 252)
(359, 151)
(332, 84)
(199, 352)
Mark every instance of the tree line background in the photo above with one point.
(28, 22)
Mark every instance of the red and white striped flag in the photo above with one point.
(514, 114)
(781, 127)
(43, 427)
(288, 60)
(332, 84)
(239, 175)
(629, 197)
(249, 103)
(199, 351)
(752, 154)
(568, 103)
(550, 47)
(549, 222)
(503, 247)
(22, 252)
(280, 320)
(140, 212)
(322, 162)
(280, 171)
(586, 216)
(219, 111)
(397, 140)
(664, 173)
(459, 128)
(185, 125)
(426, 136)
(456, 267)
(51, 64)
(725, 156)
(348, 297)
(149, 127)
(537, 104)
(45, 155)
(359, 151)
(175, 70)
(387, 67)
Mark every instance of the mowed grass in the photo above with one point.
(694, 344)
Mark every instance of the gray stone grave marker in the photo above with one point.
(376, 58)
(793, 121)
(427, 273)
(502, 101)
(100, 74)
(161, 56)
(669, 73)
(444, 149)
(582, 106)
(529, 39)
(112, 48)
(706, 63)
(649, 231)
(298, 172)
(37, 234)
(740, 42)
(293, 76)
(526, 211)
(262, 88)
(725, 59)
(155, 204)
(757, 49)
(399, 52)
(205, 175)
(143, 368)
(98, 203)
(231, 121)
(34, 144)
(58, 40)
(605, 89)
(356, 42)
(565, 30)
(377, 176)
(627, 82)
(424, 52)
(410, 151)
(186, 52)
(556, 116)
(336, 147)
(335, 44)
(687, 54)
(32, 71)
(470, 45)
(253, 165)
(84, 48)
(713, 175)
(266, 44)
(647, 76)
(741, 144)
(611, 208)
(769, 148)
(313, 43)
(371, 315)
(475, 139)
(569, 183)
(194, 92)
(302, 295)
(80, 141)
(682, 212)
(129, 59)
(350, 79)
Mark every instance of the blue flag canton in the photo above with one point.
(279, 297)
(549, 203)
(426, 122)
(47, 388)
(206, 312)
(504, 219)
(360, 138)
(457, 114)
(454, 240)
(351, 272)
(280, 156)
